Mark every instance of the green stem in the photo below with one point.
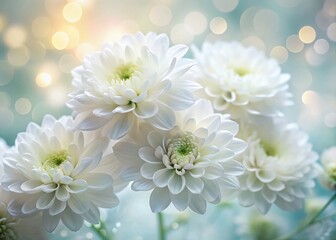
(311, 221)
(162, 231)
(101, 231)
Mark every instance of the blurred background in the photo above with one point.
(41, 41)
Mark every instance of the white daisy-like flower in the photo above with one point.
(190, 165)
(12, 228)
(54, 171)
(138, 78)
(328, 176)
(240, 80)
(280, 165)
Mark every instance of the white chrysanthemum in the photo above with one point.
(12, 228)
(328, 176)
(240, 80)
(280, 165)
(136, 78)
(190, 165)
(55, 171)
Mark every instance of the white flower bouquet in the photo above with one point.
(190, 131)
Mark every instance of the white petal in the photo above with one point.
(98, 180)
(45, 201)
(161, 177)
(147, 154)
(79, 203)
(176, 184)
(276, 185)
(62, 194)
(178, 99)
(266, 176)
(233, 168)
(261, 204)
(181, 200)
(121, 126)
(197, 204)
(148, 170)
(72, 220)
(32, 186)
(77, 186)
(142, 185)
(146, 110)
(237, 145)
(93, 215)
(57, 208)
(246, 199)
(103, 199)
(50, 222)
(164, 119)
(159, 199)
(253, 183)
(211, 191)
(195, 185)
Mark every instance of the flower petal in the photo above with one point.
(159, 199)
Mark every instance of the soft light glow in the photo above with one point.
(160, 15)
(41, 27)
(218, 25)
(83, 49)
(321, 46)
(43, 80)
(331, 32)
(57, 96)
(309, 97)
(330, 120)
(280, 53)
(307, 34)
(180, 34)
(196, 22)
(15, 36)
(294, 44)
(226, 6)
(23, 106)
(72, 12)
(18, 56)
(60, 40)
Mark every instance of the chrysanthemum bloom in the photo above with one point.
(240, 80)
(280, 165)
(12, 228)
(190, 165)
(54, 170)
(328, 176)
(138, 78)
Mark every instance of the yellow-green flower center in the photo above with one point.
(269, 149)
(55, 159)
(183, 150)
(241, 71)
(125, 71)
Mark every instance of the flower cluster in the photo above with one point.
(145, 115)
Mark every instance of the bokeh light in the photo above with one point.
(307, 34)
(43, 79)
(218, 25)
(60, 40)
(72, 12)
(15, 36)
